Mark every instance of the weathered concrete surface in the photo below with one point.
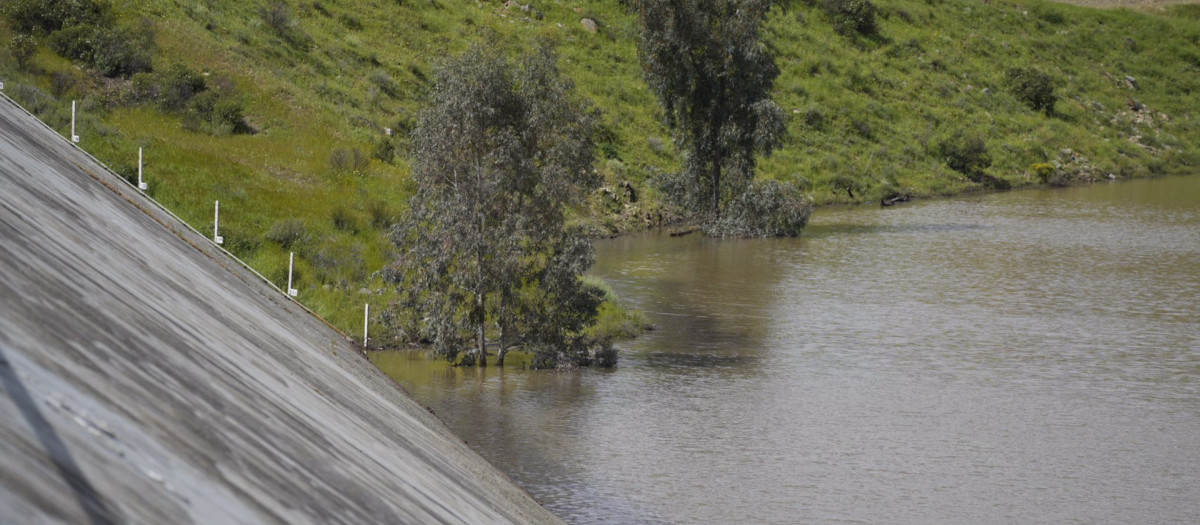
(148, 378)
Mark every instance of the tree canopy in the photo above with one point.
(485, 252)
(713, 77)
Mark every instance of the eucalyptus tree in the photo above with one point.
(713, 77)
(501, 153)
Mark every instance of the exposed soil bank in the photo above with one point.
(149, 378)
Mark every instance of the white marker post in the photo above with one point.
(74, 137)
(141, 185)
(291, 261)
(366, 317)
(217, 224)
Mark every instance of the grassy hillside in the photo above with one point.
(320, 81)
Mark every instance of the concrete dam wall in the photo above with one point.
(148, 377)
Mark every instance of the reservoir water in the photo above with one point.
(1024, 357)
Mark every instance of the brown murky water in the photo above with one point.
(1028, 357)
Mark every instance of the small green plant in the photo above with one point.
(814, 118)
(1032, 87)
(852, 17)
(846, 183)
(61, 82)
(382, 216)
(288, 233)
(348, 160)
(48, 16)
(965, 154)
(344, 219)
(115, 51)
(212, 113)
(1042, 171)
(22, 47)
(383, 149)
(173, 87)
(278, 16)
(385, 83)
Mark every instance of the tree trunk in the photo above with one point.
(716, 182)
(480, 321)
(480, 311)
(503, 350)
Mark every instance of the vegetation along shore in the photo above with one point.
(304, 118)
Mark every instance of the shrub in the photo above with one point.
(852, 16)
(1042, 171)
(211, 112)
(229, 116)
(385, 83)
(382, 217)
(237, 241)
(61, 82)
(845, 183)
(176, 86)
(123, 52)
(343, 160)
(861, 128)
(814, 118)
(344, 220)
(288, 233)
(22, 47)
(114, 51)
(48, 16)
(278, 17)
(1033, 88)
(384, 149)
(1049, 14)
(767, 208)
(36, 101)
(965, 154)
(143, 87)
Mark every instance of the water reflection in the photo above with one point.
(1025, 357)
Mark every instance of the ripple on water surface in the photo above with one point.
(1029, 357)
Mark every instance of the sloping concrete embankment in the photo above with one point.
(147, 377)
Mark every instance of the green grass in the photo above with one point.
(865, 110)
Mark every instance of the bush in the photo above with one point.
(384, 149)
(48, 16)
(36, 101)
(344, 220)
(211, 112)
(342, 160)
(1033, 88)
(767, 208)
(382, 217)
(288, 233)
(229, 116)
(814, 118)
(61, 82)
(385, 83)
(852, 16)
(846, 183)
(122, 52)
(176, 86)
(22, 47)
(114, 51)
(965, 154)
(278, 17)
(1043, 171)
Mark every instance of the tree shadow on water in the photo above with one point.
(91, 502)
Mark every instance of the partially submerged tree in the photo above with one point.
(485, 251)
(713, 77)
